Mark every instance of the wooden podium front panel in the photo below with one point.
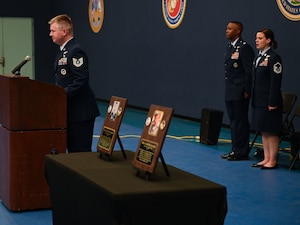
(22, 154)
(31, 105)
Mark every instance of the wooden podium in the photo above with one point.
(33, 123)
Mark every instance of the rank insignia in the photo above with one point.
(277, 68)
(77, 62)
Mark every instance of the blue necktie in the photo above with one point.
(257, 59)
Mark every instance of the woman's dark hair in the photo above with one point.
(269, 35)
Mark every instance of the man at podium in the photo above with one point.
(72, 73)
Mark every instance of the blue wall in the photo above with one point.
(136, 55)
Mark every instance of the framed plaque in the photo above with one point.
(152, 139)
(109, 133)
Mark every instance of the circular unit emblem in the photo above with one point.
(173, 12)
(109, 109)
(119, 111)
(162, 125)
(290, 9)
(148, 121)
(96, 14)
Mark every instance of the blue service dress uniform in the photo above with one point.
(267, 78)
(238, 80)
(71, 73)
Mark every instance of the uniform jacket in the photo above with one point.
(238, 66)
(71, 73)
(267, 78)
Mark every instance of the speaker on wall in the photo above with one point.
(211, 122)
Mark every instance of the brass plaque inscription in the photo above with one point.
(106, 137)
(146, 152)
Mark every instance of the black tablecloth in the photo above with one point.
(87, 190)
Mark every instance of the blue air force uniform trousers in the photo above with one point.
(238, 79)
(71, 73)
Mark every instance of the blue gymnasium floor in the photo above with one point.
(254, 196)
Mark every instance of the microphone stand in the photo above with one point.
(17, 73)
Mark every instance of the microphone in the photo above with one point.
(17, 69)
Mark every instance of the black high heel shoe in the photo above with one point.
(269, 168)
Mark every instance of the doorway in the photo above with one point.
(16, 42)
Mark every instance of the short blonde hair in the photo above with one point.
(64, 21)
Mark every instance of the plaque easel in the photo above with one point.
(111, 126)
(151, 141)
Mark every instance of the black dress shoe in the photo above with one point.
(269, 168)
(257, 165)
(225, 156)
(236, 157)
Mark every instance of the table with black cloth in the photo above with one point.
(86, 189)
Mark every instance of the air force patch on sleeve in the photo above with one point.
(77, 62)
(277, 68)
